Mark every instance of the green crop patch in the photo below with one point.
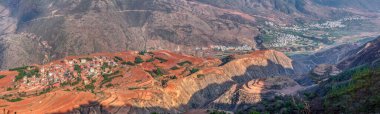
(138, 60)
(133, 88)
(15, 99)
(128, 63)
(174, 68)
(27, 72)
(156, 73)
(117, 59)
(184, 63)
(109, 77)
(162, 60)
(19, 68)
(150, 60)
(2, 76)
(194, 70)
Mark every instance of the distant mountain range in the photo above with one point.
(44, 30)
(368, 5)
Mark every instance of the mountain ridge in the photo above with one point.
(188, 26)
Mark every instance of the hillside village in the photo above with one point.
(95, 73)
(69, 70)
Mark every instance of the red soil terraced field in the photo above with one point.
(53, 102)
(6, 78)
(113, 79)
(138, 79)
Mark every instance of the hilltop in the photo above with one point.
(135, 82)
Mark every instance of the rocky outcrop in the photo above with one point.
(364, 55)
(15, 50)
(290, 9)
(7, 23)
(366, 5)
(324, 71)
(332, 55)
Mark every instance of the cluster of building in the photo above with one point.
(69, 70)
(231, 48)
(337, 23)
(329, 24)
(283, 40)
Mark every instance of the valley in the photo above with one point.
(166, 82)
(189, 56)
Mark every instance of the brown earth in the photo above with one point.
(138, 92)
(363, 55)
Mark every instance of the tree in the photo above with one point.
(142, 52)
(138, 60)
(194, 70)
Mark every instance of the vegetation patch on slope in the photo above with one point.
(354, 91)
